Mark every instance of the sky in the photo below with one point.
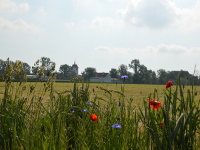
(103, 34)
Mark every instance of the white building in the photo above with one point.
(75, 68)
(101, 77)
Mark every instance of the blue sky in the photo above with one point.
(162, 34)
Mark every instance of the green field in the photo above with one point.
(137, 92)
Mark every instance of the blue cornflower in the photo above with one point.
(88, 103)
(116, 126)
(124, 77)
(84, 110)
(119, 108)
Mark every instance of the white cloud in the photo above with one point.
(8, 6)
(106, 22)
(149, 50)
(188, 19)
(17, 25)
(161, 13)
(86, 3)
(123, 51)
(178, 50)
(41, 11)
(150, 13)
(69, 25)
(174, 49)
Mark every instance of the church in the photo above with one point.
(75, 68)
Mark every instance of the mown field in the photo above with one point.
(137, 92)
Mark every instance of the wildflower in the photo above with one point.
(93, 117)
(154, 104)
(88, 103)
(169, 84)
(124, 77)
(72, 110)
(116, 126)
(119, 108)
(84, 110)
(162, 124)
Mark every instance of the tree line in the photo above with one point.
(139, 74)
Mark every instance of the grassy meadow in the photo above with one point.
(137, 92)
(51, 116)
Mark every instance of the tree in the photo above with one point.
(27, 68)
(135, 64)
(2, 66)
(153, 77)
(89, 72)
(114, 73)
(123, 70)
(162, 76)
(45, 64)
(143, 74)
(66, 72)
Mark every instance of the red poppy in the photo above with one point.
(162, 124)
(93, 117)
(168, 84)
(154, 104)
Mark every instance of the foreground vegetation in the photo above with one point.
(81, 118)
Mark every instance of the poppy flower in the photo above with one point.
(93, 117)
(162, 124)
(154, 104)
(169, 84)
(116, 126)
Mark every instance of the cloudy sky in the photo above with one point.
(102, 33)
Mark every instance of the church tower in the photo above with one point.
(75, 68)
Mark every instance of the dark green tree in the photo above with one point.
(66, 72)
(162, 76)
(2, 67)
(114, 73)
(153, 77)
(135, 65)
(123, 70)
(89, 72)
(143, 74)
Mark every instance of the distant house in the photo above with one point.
(101, 77)
(32, 76)
(182, 73)
(115, 80)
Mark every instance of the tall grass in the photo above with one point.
(63, 121)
